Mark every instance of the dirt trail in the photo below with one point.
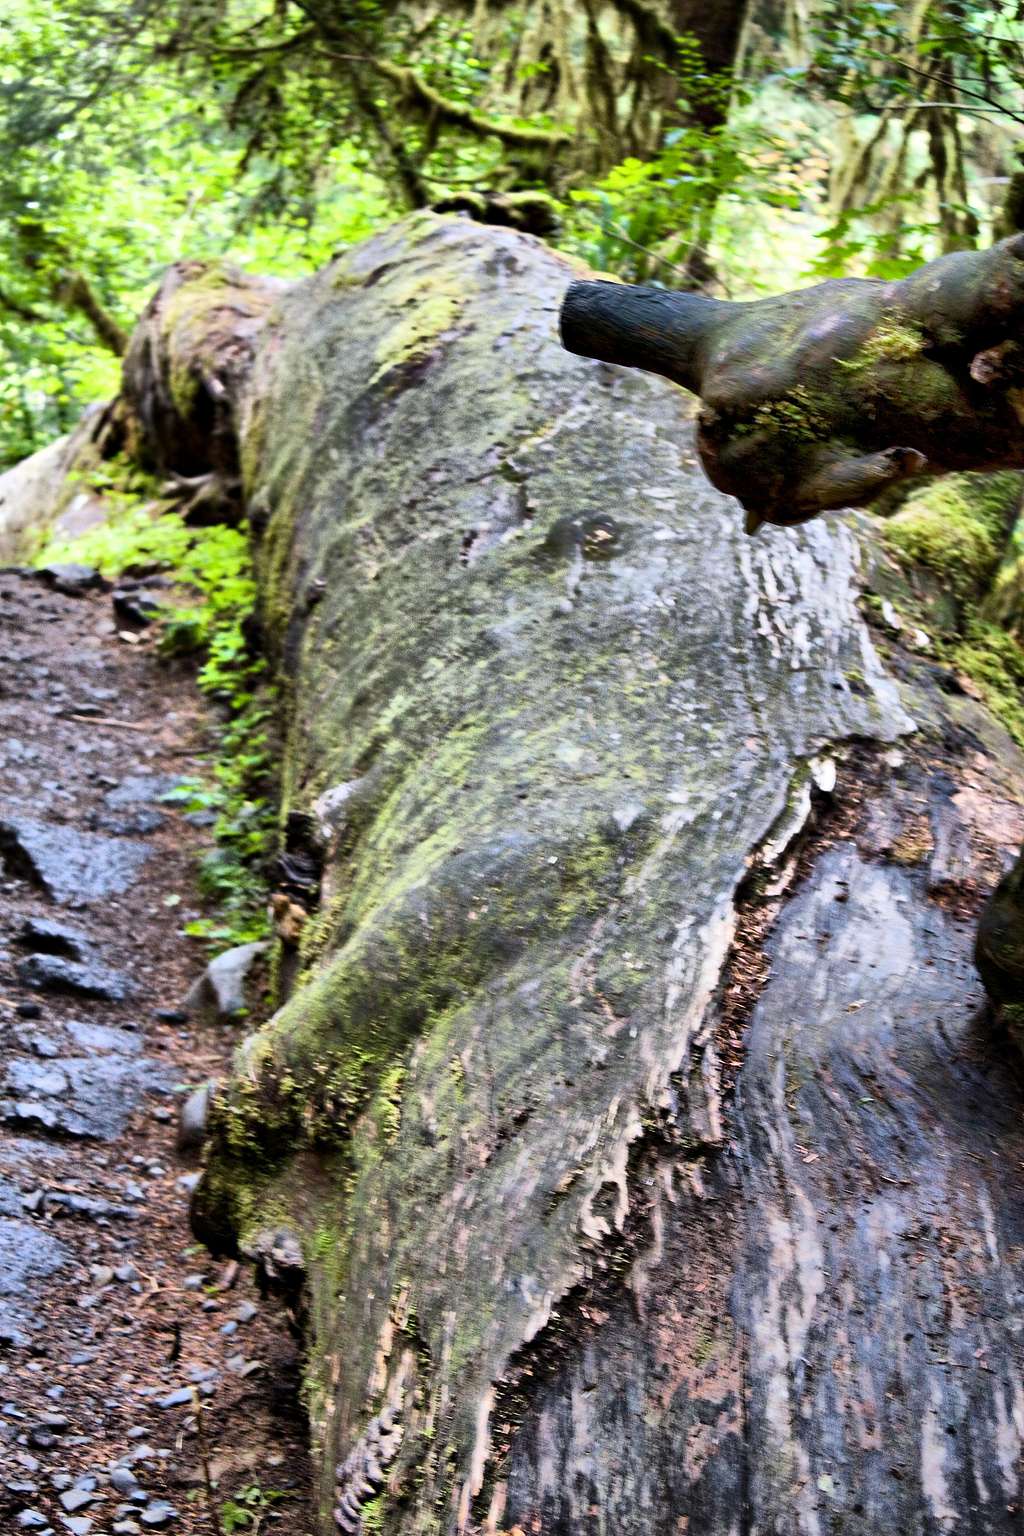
(109, 1312)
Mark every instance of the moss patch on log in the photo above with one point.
(957, 528)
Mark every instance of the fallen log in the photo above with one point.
(634, 1141)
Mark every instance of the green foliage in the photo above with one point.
(214, 594)
(112, 171)
(866, 58)
(647, 218)
(245, 1511)
(855, 241)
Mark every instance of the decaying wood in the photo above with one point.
(823, 397)
(593, 781)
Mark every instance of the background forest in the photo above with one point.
(744, 147)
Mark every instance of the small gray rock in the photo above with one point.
(195, 1113)
(176, 1399)
(46, 936)
(219, 994)
(158, 1514)
(142, 789)
(123, 1480)
(77, 1498)
(55, 973)
(71, 866)
(31, 1520)
(71, 578)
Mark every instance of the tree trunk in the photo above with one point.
(633, 1140)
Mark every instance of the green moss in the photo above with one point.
(1004, 604)
(892, 341)
(948, 539)
(956, 528)
(187, 312)
(416, 334)
(994, 660)
(796, 417)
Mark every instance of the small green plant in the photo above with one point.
(213, 594)
(246, 1510)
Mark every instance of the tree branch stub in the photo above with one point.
(820, 398)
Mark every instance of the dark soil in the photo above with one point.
(109, 1310)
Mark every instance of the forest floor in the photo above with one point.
(111, 1317)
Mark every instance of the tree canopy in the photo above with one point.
(737, 145)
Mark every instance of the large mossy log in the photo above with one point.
(626, 1192)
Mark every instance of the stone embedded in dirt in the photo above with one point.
(42, 1045)
(103, 1037)
(36, 1078)
(123, 1480)
(71, 578)
(28, 1254)
(99, 1097)
(77, 1498)
(55, 973)
(135, 607)
(219, 994)
(176, 1398)
(82, 1205)
(158, 1514)
(11, 1199)
(141, 824)
(71, 866)
(194, 1115)
(142, 789)
(47, 936)
(78, 1525)
(31, 1520)
(28, 1112)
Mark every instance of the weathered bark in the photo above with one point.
(823, 397)
(624, 1194)
(187, 364)
(49, 492)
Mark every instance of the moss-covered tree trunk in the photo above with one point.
(633, 1137)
